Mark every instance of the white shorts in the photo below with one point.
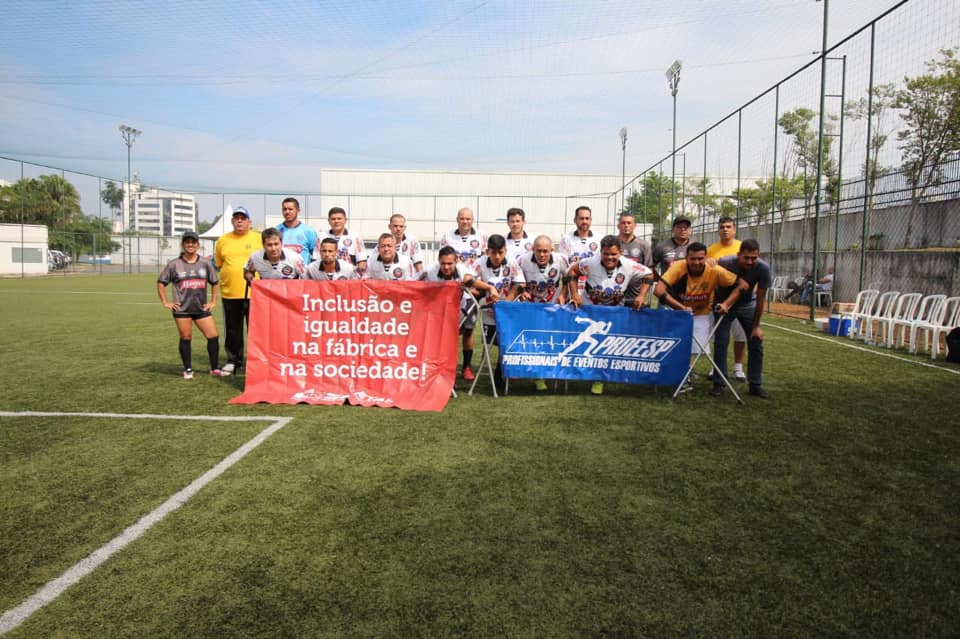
(701, 330)
(738, 334)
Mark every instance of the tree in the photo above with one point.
(87, 234)
(931, 113)
(803, 157)
(651, 205)
(112, 196)
(884, 99)
(49, 200)
(203, 227)
(698, 190)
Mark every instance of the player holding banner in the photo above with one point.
(501, 272)
(610, 279)
(544, 274)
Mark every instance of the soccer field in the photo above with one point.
(830, 510)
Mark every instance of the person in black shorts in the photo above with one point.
(189, 274)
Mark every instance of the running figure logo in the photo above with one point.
(586, 336)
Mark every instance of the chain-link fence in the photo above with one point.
(876, 215)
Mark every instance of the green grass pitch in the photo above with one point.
(830, 510)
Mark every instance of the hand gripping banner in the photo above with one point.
(599, 343)
(369, 343)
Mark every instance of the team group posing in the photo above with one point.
(726, 282)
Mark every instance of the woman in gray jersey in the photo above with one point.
(190, 274)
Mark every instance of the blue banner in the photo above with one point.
(598, 343)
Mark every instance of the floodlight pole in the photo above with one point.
(623, 171)
(673, 78)
(814, 274)
(129, 135)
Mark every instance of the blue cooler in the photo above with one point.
(838, 326)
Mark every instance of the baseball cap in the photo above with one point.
(240, 210)
(681, 219)
(190, 235)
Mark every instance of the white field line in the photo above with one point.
(865, 350)
(53, 589)
(76, 292)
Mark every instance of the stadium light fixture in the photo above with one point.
(673, 78)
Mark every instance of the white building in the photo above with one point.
(23, 249)
(156, 211)
(430, 200)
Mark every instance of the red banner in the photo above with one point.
(369, 343)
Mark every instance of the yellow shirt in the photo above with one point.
(697, 292)
(718, 250)
(230, 256)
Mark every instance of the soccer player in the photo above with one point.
(448, 268)
(632, 246)
(610, 279)
(349, 245)
(190, 274)
(501, 272)
(579, 243)
(231, 253)
(273, 263)
(389, 264)
(544, 274)
(468, 244)
(689, 285)
(673, 248)
(518, 241)
(328, 267)
(747, 311)
(544, 279)
(406, 243)
(728, 244)
(297, 236)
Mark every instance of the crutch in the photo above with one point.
(704, 352)
(485, 357)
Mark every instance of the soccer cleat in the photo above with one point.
(540, 385)
(188, 373)
(597, 388)
(757, 391)
(717, 390)
(227, 369)
(739, 376)
(216, 372)
(468, 373)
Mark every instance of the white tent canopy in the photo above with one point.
(220, 226)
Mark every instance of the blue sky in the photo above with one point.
(260, 95)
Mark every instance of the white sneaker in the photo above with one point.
(188, 374)
(227, 369)
(739, 376)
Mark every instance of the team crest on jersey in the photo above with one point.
(635, 252)
(347, 241)
(552, 274)
(593, 246)
(403, 247)
(474, 244)
(397, 273)
(286, 270)
(619, 278)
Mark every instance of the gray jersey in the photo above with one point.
(401, 268)
(288, 267)
(759, 276)
(667, 252)
(189, 282)
(637, 250)
(344, 271)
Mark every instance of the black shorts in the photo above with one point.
(193, 316)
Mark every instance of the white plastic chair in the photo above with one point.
(938, 313)
(902, 310)
(880, 312)
(862, 306)
(950, 320)
(778, 289)
(921, 313)
(824, 294)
